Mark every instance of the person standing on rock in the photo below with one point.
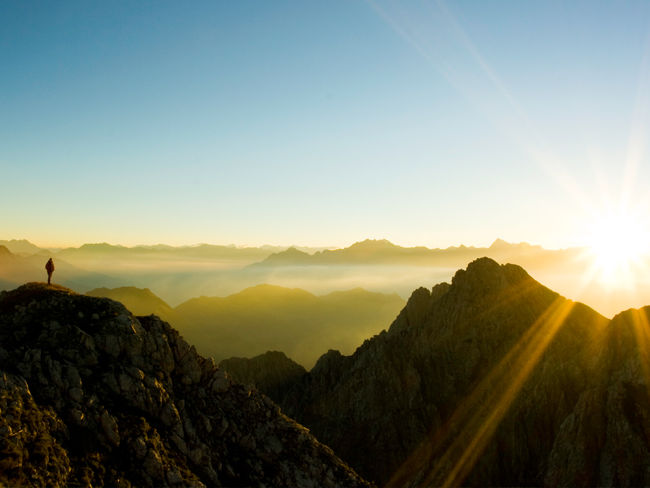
(49, 267)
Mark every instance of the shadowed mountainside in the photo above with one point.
(492, 380)
(91, 395)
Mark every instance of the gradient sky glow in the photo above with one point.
(321, 123)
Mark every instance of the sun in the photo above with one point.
(619, 241)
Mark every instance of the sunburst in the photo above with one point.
(619, 241)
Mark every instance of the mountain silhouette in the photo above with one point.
(92, 396)
(384, 252)
(291, 257)
(491, 380)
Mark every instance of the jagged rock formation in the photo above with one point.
(91, 395)
(492, 380)
(272, 372)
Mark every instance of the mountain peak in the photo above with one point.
(504, 245)
(484, 274)
(373, 244)
(289, 256)
(498, 242)
(293, 251)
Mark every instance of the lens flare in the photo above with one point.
(618, 242)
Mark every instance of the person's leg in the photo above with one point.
(49, 278)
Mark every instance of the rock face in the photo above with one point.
(91, 395)
(492, 380)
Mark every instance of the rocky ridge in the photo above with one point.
(92, 396)
(491, 380)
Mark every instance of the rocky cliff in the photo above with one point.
(490, 380)
(92, 396)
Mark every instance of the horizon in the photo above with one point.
(77, 245)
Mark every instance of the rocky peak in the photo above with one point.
(396, 406)
(486, 275)
(91, 395)
(4, 251)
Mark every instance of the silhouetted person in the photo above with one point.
(49, 267)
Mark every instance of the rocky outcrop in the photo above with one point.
(92, 396)
(492, 380)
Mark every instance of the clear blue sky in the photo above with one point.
(319, 123)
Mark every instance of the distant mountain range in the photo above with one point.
(178, 274)
(492, 380)
(269, 317)
(383, 252)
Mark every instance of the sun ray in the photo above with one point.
(494, 394)
(641, 328)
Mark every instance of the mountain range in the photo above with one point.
(491, 380)
(178, 274)
(269, 317)
(382, 252)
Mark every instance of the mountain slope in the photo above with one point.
(490, 380)
(91, 395)
(138, 301)
(20, 246)
(294, 321)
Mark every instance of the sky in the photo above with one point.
(321, 123)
